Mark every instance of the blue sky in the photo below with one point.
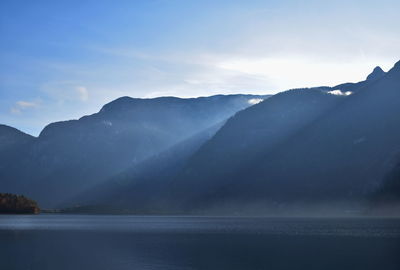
(60, 60)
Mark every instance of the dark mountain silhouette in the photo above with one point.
(314, 149)
(11, 137)
(142, 182)
(71, 156)
(322, 149)
(13, 144)
(147, 191)
(377, 73)
(390, 189)
(300, 147)
(385, 200)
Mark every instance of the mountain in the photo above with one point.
(71, 156)
(377, 73)
(11, 137)
(151, 186)
(385, 200)
(300, 151)
(13, 144)
(126, 191)
(311, 150)
(389, 191)
(349, 88)
(322, 150)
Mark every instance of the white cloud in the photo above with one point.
(23, 105)
(26, 104)
(339, 92)
(82, 92)
(254, 101)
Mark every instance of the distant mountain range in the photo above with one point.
(298, 148)
(323, 150)
(71, 156)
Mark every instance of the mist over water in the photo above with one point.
(133, 242)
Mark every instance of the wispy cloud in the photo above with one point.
(64, 91)
(23, 105)
(82, 92)
(254, 101)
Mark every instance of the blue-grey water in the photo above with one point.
(136, 242)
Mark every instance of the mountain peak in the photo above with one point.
(119, 103)
(10, 136)
(395, 70)
(376, 73)
(10, 131)
(396, 66)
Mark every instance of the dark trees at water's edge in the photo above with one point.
(17, 204)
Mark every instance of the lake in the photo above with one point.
(50, 241)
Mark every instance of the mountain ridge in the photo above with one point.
(321, 148)
(201, 189)
(72, 155)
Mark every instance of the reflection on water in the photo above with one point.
(129, 242)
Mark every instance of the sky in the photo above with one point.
(61, 60)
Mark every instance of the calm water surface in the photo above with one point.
(134, 242)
